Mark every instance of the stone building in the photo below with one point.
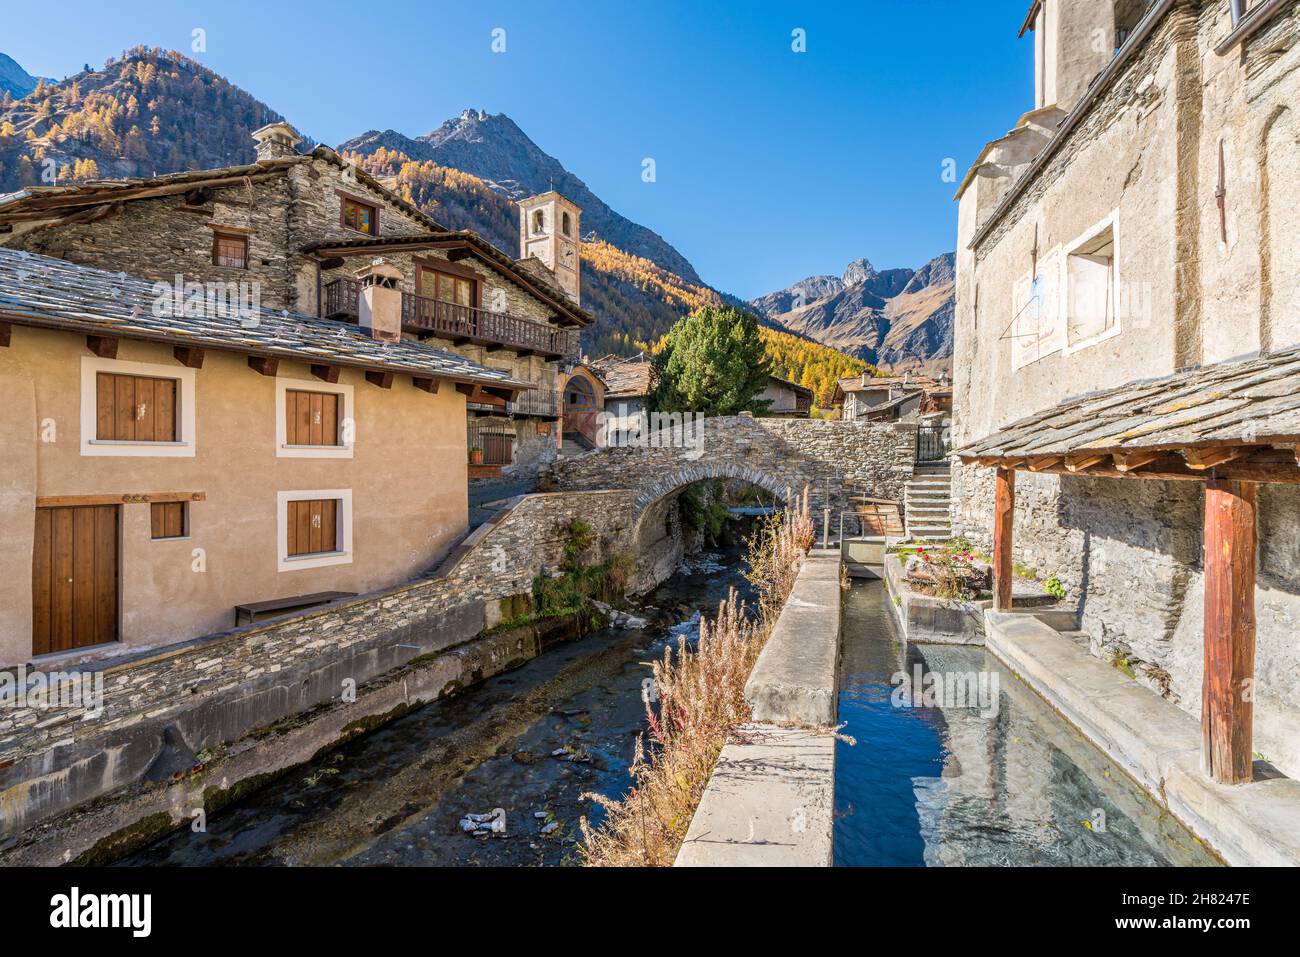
(294, 229)
(1128, 303)
(305, 269)
(171, 472)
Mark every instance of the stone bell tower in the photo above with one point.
(548, 229)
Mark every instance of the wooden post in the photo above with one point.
(1226, 685)
(1004, 514)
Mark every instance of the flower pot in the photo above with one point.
(475, 456)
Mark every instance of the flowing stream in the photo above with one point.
(397, 796)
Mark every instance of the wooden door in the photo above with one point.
(74, 577)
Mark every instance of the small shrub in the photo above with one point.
(1054, 588)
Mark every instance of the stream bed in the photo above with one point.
(397, 796)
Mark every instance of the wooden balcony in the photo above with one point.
(423, 316)
(540, 402)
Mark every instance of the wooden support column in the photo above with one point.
(1004, 513)
(1226, 685)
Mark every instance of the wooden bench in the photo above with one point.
(247, 614)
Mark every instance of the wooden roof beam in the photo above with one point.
(1203, 459)
(188, 356)
(1041, 463)
(38, 207)
(1083, 462)
(103, 346)
(1131, 461)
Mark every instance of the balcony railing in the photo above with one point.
(450, 320)
(540, 402)
(341, 298)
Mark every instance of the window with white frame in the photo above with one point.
(313, 419)
(314, 529)
(136, 408)
(1091, 284)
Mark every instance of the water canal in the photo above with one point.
(1009, 783)
(993, 779)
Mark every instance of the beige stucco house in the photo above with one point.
(1128, 314)
(233, 392)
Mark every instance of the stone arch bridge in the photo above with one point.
(832, 458)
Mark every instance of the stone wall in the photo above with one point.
(220, 688)
(831, 458)
(1130, 553)
(158, 238)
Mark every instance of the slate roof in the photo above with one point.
(624, 378)
(56, 294)
(73, 196)
(1252, 402)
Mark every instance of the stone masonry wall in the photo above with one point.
(832, 458)
(1130, 553)
(217, 689)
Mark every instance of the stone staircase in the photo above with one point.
(926, 503)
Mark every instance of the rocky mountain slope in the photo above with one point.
(494, 148)
(14, 80)
(152, 111)
(899, 318)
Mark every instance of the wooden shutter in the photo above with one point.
(132, 408)
(167, 519)
(74, 577)
(313, 526)
(311, 418)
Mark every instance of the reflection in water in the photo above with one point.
(1011, 784)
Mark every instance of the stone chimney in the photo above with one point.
(276, 141)
(379, 306)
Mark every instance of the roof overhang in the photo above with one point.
(1030, 17)
(1232, 420)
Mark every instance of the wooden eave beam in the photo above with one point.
(326, 373)
(103, 346)
(189, 356)
(1044, 462)
(1202, 459)
(1131, 461)
(1081, 463)
(264, 365)
(39, 207)
(425, 385)
(6, 333)
(382, 379)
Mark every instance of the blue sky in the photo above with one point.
(771, 165)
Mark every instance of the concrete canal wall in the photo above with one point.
(771, 798)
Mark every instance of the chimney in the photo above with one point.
(379, 306)
(276, 141)
(865, 377)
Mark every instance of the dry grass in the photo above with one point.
(699, 698)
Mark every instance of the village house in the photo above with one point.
(891, 398)
(627, 383)
(297, 227)
(236, 392)
(1127, 340)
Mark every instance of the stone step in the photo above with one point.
(930, 531)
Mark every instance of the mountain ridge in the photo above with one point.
(899, 318)
(492, 147)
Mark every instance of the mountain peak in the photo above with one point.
(14, 80)
(492, 147)
(858, 272)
